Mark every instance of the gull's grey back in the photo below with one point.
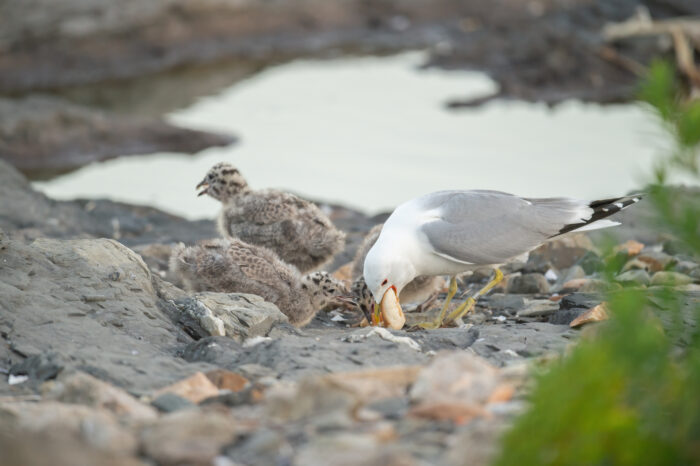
(489, 227)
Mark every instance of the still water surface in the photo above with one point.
(373, 132)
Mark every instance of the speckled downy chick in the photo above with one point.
(422, 289)
(293, 228)
(234, 266)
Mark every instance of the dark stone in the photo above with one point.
(391, 408)
(264, 446)
(39, 368)
(248, 395)
(169, 402)
(49, 136)
(565, 316)
(573, 305)
(590, 262)
(580, 301)
(220, 351)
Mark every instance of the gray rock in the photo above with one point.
(265, 446)
(635, 276)
(538, 308)
(657, 260)
(503, 302)
(80, 388)
(28, 214)
(531, 283)
(81, 425)
(665, 278)
(391, 408)
(590, 262)
(188, 436)
(695, 274)
(446, 339)
(63, 296)
(40, 367)
(317, 351)
(687, 267)
(504, 343)
(236, 315)
(572, 273)
(169, 402)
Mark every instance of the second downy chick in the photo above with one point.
(232, 265)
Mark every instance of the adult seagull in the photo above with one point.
(450, 232)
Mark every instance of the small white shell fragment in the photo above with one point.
(255, 341)
(16, 379)
(551, 275)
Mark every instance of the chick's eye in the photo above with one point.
(385, 281)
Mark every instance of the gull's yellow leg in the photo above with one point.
(438, 322)
(469, 303)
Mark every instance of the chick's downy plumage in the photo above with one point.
(233, 265)
(293, 228)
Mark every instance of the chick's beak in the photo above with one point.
(347, 300)
(202, 184)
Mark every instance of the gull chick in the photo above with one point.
(234, 266)
(450, 232)
(293, 228)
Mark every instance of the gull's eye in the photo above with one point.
(385, 281)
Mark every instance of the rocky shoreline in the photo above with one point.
(104, 361)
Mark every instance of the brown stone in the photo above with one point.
(82, 388)
(460, 413)
(94, 427)
(656, 261)
(457, 386)
(226, 380)
(575, 284)
(376, 384)
(597, 314)
(564, 252)
(194, 388)
(631, 247)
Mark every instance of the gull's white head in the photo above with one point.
(386, 273)
(384, 270)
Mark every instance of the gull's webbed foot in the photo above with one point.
(437, 323)
(468, 305)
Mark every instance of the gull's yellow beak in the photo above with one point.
(389, 310)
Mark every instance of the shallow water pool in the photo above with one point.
(372, 132)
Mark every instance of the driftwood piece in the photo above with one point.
(684, 31)
(645, 26)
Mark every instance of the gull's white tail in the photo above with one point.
(600, 211)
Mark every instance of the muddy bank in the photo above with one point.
(44, 136)
(542, 50)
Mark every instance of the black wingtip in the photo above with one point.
(603, 208)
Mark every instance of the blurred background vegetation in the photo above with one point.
(628, 392)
